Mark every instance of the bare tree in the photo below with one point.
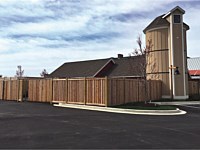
(19, 72)
(43, 73)
(146, 59)
(147, 64)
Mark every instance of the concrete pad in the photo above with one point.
(123, 111)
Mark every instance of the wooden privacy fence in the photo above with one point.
(122, 91)
(93, 91)
(194, 87)
(78, 91)
(40, 90)
(13, 89)
(88, 91)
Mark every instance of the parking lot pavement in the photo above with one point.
(38, 125)
(191, 108)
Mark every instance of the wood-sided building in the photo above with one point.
(169, 50)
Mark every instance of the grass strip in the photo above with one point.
(145, 106)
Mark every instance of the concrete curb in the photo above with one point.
(178, 103)
(123, 111)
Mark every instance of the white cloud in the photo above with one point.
(40, 34)
(23, 8)
(191, 18)
(5, 45)
(49, 26)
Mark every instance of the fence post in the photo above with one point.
(67, 94)
(124, 90)
(10, 93)
(51, 91)
(3, 89)
(106, 91)
(85, 91)
(161, 89)
(138, 84)
(18, 87)
(199, 87)
(149, 90)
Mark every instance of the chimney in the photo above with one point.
(120, 56)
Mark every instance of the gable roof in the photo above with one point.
(104, 67)
(161, 21)
(127, 67)
(175, 8)
(111, 67)
(79, 69)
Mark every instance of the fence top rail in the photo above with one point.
(18, 78)
(138, 80)
(10, 79)
(81, 79)
(85, 79)
(59, 79)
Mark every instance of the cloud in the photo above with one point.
(40, 34)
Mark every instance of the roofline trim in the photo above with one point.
(177, 7)
(156, 28)
(111, 60)
(194, 58)
(166, 14)
(127, 76)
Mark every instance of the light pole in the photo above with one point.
(176, 72)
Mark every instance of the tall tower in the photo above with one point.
(168, 53)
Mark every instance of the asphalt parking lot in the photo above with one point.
(38, 125)
(193, 106)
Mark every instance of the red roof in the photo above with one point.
(194, 72)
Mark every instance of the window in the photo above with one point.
(177, 18)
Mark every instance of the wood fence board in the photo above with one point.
(194, 87)
(1, 88)
(12, 89)
(59, 90)
(95, 91)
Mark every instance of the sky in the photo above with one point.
(44, 34)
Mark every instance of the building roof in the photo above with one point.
(194, 63)
(194, 72)
(157, 22)
(171, 11)
(161, 21)
(194, 67)
(111, 67)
